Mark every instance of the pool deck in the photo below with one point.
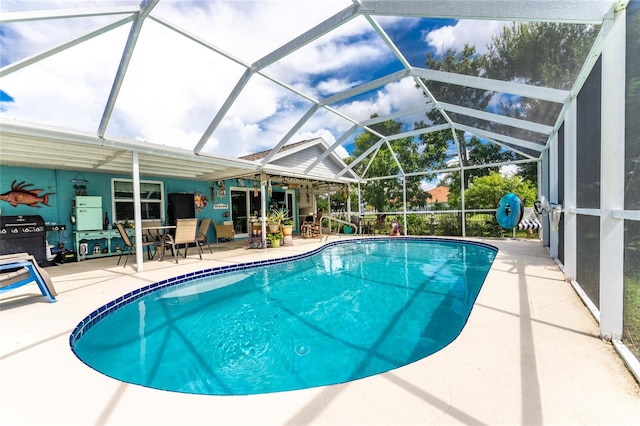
(530, 354)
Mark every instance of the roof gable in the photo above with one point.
(298, 159)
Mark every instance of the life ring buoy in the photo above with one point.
(510, 211)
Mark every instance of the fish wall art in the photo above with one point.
(20, 194)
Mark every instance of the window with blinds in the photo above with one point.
(151, 200)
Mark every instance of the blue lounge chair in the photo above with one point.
(20, 269)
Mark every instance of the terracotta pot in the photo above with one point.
(273, 228)
(287, 230)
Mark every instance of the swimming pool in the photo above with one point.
(348, 310)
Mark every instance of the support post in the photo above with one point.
(612, 176)
(570, 197)
(553, 191)
(137, 212)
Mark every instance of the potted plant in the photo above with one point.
(274, 239)
(275, 219)
(287, 227)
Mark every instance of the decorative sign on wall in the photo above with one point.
(200, 201)
(19, 194)
(221, 206)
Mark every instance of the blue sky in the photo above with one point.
(174, 88)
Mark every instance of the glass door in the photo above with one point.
(243, 206)
(292, 207)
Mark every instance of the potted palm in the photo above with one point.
(275, 219)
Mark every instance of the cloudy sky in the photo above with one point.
(174, 87)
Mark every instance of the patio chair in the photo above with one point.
(203, 230)
(368, 225)
(312, 229)
(152, 235)
(129, 245)
(186, 231)
(223, 231)
(20, 269)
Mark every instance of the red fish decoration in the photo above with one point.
(19, 194)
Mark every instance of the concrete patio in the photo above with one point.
(529, 354)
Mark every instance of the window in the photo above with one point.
(151, 199)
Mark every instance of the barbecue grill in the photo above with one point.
(24, 234)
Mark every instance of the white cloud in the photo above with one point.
(427, 185)
(473, 33)
(174, 88)
(509, 170)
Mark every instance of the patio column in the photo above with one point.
(612, 176)
(543, 174)
(464, 214)
(553, 190)
(569, 203)
(404, 202)
(137, 211)
(263, 207)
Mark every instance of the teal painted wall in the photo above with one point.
(57, 184)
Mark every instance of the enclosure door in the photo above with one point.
(292, 207)
(243, 205)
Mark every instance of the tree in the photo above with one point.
(544, 54)
(485, 192)
(466, 62)
(539, 53)
(386, 194)
(474, 150)
(478, 152)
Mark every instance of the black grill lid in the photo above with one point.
(26, 221)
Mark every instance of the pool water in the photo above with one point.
(348, 311)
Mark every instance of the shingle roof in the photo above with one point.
(439, 194)
(260, 155)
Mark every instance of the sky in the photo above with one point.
(174, 87)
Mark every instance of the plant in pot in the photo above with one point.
(275, 219)
(275, 238)
(287, 227)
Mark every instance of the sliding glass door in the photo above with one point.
(243, 205)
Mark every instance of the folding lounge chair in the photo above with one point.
(20, 269)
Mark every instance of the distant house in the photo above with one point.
(439, 197)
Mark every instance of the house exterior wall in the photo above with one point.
(57, 184)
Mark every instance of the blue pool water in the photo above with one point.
(347, 311)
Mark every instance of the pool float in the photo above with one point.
(510, 210)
